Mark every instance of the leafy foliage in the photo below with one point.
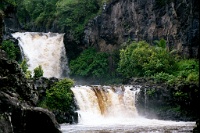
(70, 15)
(24, 68)
(10, 48)
(79, 11)
(38, 72)
(90, 63)
(59, 96)
(160, 43)
(132, 59)
(141, 59)
(188, 70)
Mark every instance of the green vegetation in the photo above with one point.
(141, 59)
(24, 68)
(138, 59)
(79, 11)
(70, 16)
(59, 96)
(90, 63)
(11, 49)
(38, 72)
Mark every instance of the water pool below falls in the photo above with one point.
(106, 109)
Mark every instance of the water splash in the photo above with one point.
(45, 49)
(105, 103)
(111, 109)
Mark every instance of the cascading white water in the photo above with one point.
(112, 110)
(105, 103)
(45, 49)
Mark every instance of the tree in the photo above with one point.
(90, 63)
(132, 59)
(141, 59)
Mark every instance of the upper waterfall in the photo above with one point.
(45, 49)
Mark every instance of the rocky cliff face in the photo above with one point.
(18, 98)
(123, 20)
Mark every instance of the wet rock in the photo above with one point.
(18, 111)
(159, 100)
(5, 124)
(197, 128)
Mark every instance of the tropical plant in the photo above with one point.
(188, 70)
(38, 72)
(24, 66)
(10, 48)
(59, 96)
(133, 58)
(70, 15)
(90, 63)
(160, 43)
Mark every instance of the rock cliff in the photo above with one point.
(18, 98)
(124, 20)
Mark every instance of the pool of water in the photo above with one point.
(139, 125)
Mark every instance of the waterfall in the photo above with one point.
(111, 109)
(105, 103)
(45, 49)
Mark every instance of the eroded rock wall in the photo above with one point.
(123, 20)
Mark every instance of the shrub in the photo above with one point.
(163, 77)
(24, 66)
(59, 96)
(188, 70)
(38, 72)
(10, 48)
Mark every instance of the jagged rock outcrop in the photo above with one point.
(123, 20)
(163, 101)
(18, 98)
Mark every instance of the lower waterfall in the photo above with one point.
(111, 109)
(45, 49)
(105, 103)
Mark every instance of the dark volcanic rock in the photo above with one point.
(159, 100)
(17, 103)
(122, 20)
